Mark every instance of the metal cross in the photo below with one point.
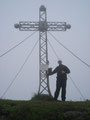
(43, 26)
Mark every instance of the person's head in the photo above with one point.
(59, 62)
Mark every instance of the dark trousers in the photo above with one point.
(61, 83)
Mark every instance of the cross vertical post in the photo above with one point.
(43, 52)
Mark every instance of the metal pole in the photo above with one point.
(43, 52)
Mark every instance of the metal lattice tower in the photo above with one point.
(43, 26)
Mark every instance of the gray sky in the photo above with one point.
(75, 12)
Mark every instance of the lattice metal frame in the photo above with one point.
(43, 51)
(43, 26)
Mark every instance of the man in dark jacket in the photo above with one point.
(62, 72)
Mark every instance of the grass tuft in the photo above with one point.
(44, 97)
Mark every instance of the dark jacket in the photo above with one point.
(59, 70)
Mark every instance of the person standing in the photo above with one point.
(61, 82)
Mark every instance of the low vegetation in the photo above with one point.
(44, 109)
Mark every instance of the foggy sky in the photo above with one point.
(77, 39)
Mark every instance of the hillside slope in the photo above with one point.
(44, 110)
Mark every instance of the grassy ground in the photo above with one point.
(44, 110)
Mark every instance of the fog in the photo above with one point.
(77, 39)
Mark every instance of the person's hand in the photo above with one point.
(63, 72)
(47, 74)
